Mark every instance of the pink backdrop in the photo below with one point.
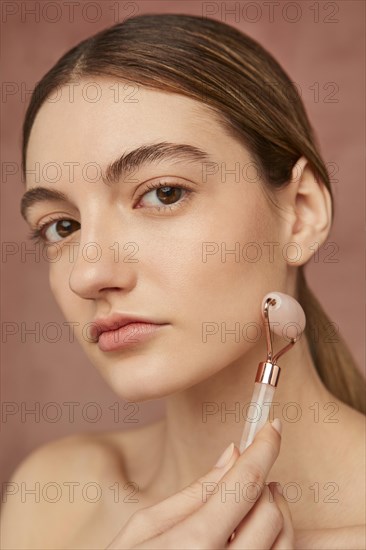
(322, 51)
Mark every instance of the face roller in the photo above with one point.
(286, 317)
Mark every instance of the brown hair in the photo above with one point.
(250, 95)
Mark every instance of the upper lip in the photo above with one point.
(115, 321)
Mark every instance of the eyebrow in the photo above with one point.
(117, 169)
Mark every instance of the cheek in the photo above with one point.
(216, 269)
(58, 277)
(54, 280)
(76, 311)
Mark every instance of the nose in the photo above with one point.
(99, 264)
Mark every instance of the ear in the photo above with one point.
(310, 203)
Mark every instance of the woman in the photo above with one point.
(181, 183)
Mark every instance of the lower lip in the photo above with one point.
(126, 336)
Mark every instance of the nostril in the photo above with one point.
(109, 288)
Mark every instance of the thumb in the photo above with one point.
(286, 538)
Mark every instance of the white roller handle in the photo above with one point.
(288, 320)
(257, 413)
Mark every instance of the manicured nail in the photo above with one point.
(225, 457)
(279, 488)
(277, 425)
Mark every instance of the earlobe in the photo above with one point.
(312, 206)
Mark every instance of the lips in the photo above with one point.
(114, 322)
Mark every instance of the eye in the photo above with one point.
(57, 229)
(169, 195)
(54, 230)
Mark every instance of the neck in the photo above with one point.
(205, 418)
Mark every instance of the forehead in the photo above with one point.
(96, 119)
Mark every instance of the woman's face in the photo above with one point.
(192, 257)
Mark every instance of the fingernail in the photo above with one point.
(277, 425)
(270, 487)
(279, 488)
(275, 486)
(225, 457)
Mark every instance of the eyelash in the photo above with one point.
(37, 235)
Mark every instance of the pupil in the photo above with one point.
(60, 228)
(171, 198)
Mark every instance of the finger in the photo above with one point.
(239, 489)
(194, 495)
(153, 520)
(261, 526)
(286, 538)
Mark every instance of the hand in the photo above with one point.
(190, 520)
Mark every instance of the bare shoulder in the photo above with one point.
(57, 481)
(70, 481)
(346, 465)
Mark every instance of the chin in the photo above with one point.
(139, 378)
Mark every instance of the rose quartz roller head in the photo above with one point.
(286, 317)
